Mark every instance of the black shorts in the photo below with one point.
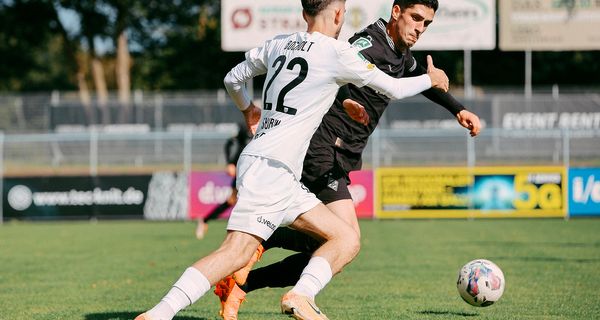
(330, 187)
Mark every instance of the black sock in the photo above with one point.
(291, 239)
(217, 211)
(279, 274)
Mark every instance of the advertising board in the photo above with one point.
(60, 197)
(549, 25)
(458, 24)
(208, 190)
(470, 192)
(584, 191)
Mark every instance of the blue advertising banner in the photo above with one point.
(584, 192)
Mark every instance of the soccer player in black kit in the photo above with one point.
(336, 147)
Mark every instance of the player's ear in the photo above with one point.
(396, 12)
(304, 16)
(339, 15)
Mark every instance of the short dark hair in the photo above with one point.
(314, 7)
(433, 4)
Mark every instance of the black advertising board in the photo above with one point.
(64, 197)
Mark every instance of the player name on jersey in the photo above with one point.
(299, 45)
(269, 123)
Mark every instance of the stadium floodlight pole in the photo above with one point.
(566, 156)
(528, 88)
(471, 172)
(468, 73)
(187, 151)
(375, 148)
(93, 152)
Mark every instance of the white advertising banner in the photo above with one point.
(458, 24)
(549, 25)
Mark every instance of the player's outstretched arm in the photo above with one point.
(439, 79)
(398, 88)
(410, 86)
(470, 121)
(465, 118)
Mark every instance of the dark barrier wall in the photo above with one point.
(75, 197)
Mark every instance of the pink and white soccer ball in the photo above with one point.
(480, 283)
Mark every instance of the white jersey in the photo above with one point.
(303, 74)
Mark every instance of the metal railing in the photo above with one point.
(101, 152)
(172, 111)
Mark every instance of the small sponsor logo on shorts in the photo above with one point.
(266, 222)
(333, 184)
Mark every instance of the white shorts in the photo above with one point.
(269, 196)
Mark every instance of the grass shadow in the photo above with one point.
(128, 316)
(448, 313)
(550, 259)
(536, 244)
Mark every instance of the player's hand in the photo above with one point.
(252, 117)
(438, 77)
(231, 170)
(470, 121)
(356, 111)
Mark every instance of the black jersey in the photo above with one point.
(235, 145)
(339, 140)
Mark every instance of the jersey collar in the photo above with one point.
(381, 25)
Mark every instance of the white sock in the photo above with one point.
(188, 289)
(315, 277)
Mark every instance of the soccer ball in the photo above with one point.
(480, 283)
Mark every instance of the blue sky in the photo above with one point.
(72, 23)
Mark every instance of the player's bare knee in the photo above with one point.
(350, 243)
(240, 255)
(357, 230)
(353, 244)
(239, 248)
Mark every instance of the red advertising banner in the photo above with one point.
(361, 190)
(208, 190)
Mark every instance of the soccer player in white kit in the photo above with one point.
(303, 70)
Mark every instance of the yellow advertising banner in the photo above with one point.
(480, 192)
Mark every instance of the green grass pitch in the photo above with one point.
(407, 269)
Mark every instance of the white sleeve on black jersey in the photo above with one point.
(399, 88)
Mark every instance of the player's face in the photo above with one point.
(409, 25)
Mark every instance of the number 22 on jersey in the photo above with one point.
(278, 64)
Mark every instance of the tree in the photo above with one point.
(175, 45)
(31, 48)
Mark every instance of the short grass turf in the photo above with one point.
(407, 269)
